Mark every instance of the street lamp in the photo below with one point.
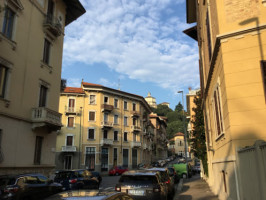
(185, 130)
(80, 136)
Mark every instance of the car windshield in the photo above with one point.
(164, 175)
(7, 181)
(63, 175)
(138, 179)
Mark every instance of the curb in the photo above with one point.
(180, 186)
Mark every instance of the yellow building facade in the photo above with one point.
(102, 128)
(31, 46)
(232, 49)
(178, 144)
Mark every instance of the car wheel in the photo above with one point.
(117, 174)
(184, 176)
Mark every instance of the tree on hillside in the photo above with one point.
(179, 107)
(174, 116)
(162, 110)
(198, 140)
(173, 128)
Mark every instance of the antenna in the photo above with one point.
(119, 84)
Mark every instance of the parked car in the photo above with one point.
(118, 170)
(142, 184)
(173, 173)
(27, 186)
(76, 179)
(165, 177)
(196, 168)
(89, 194)
(97, 175)
(181, 169)
(143, 166)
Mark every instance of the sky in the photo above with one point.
(137, 46)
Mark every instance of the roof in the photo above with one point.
(73, 11)
(157, 169)
(139, 173)
(73, 90)
(179, 134)
(192, 32)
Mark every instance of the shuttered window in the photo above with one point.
(263, 70)
(208, 35)
(70, 122)
(218, 112)
(91, 116)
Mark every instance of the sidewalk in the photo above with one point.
(194, 189)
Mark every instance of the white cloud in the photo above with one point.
(134, 38)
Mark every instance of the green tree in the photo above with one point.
(174, 116)
(198, 140)
(173, 128)
(179, 107)
(162, 110)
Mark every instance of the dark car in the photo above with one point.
(76, 179)
(89, 194)
(27, 186)
(174, 174)
(96, 175)
(142, 184)
(118, 170)
(166, 179)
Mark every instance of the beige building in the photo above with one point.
(31, 46)
(160, 141)
(102, 128)
(165, 104)
(151, 100)
(232, 51)
(177, 144)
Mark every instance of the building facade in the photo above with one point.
(31, 46)
(177, 144)
(102, 128)
(231, 39)
(160, 141)
(151, 100)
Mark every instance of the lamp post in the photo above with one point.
(185, 131)
(80, 136)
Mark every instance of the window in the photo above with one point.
(3, 80)
(38, 150)
(125, 105)
(134, 121)
(105, 117)
(69, 140)
(70, 122)
(92, 99)
(218, 112)
(125, 136)
(91, 116)
(208, 35)
(134, 137)
(71, 105)
(263, 70)
(8, 24)
(91, 132)
(115, 157)
(43, 96)
(105, 134)
(46, 51)
(115, 119)
(90, 158)
(116, 103)
(134, 106)
(106, 99)
(115, 135)
(125, 121)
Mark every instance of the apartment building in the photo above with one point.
(31, 46)
(177, 144)
(160, 141)
(231, 39)
(102, 128)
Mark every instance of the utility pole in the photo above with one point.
(80, 115)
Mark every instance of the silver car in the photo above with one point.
(142, 184)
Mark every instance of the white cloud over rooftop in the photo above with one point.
(142, 40)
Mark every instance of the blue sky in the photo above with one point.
(135, 44)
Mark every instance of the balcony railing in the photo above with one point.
(135, 128)
(106, 142)
(135, 144)
(69, 149)
(106, 124)
(44, 117)
(135, 114)
(107, 107)
(70, 110)
(53, 25)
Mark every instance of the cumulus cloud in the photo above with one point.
(139, 39)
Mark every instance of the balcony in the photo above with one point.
(53, 25)
(107, 107)
(46, 118)
(69, 149)
(71, 110)
(135, 128)
(106, 142)
(106, 124)
(135, 114)
(135, 144)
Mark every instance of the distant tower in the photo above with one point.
(151, 100)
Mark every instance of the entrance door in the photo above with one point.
(68, 162)
(134, 158)
(125, 157)
(104, 165)
(90, 158)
